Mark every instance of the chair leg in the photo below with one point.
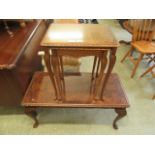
(127, 54)
(136, 65)
(148, 70)
(151, 59)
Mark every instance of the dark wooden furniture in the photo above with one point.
(79, 40)
(143, 33)
(40, 94)
(88, 91)
(19, 60)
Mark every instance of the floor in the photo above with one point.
(141, 113)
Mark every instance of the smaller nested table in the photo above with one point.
(99, 89)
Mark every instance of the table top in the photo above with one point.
(79, 35)
(41, 93)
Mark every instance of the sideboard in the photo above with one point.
(19, 60)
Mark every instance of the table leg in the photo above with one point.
(57, 72)
(99, 78)
(112, 61)
(94, 75)
(31, 112)
(48, 62)
(97, 69)
(62, 78)
(121, 112)
(94, 65)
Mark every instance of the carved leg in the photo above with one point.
(121, 112)
(97, 69)
(94, 65)
(49, 66)
(62, 78)
(96, 74)
(93, 79)
(112, 60)
(103, 61)
(57, 73)
(31, 112)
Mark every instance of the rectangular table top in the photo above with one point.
(79, 35)
(41, 93)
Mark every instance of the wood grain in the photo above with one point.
(79, 35)
(19, 60)
(41, 93)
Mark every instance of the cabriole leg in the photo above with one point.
(31, 112)
(121, 112)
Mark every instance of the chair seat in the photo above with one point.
(144, 46)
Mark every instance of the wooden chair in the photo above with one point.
(149, 70)
(143, 33)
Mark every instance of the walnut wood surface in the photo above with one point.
(11, 48)
(19, 60)
(79, 40)
(79, 35)
(41, 93)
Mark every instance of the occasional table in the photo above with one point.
(99, 89)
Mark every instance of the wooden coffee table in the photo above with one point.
(99, 89)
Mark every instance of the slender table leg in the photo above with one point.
(93, 78)
(98, 76)
(112, 61)
(94, 65)
(97, 69)
(48, 63)
(121, 112)
(103, 62)
(56, 69)
(31, 112)
(62, 78)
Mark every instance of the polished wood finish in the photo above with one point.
(19, 60)
(88, 91)
(78, 41)
(79, 35)
(32, 113)
(12, 48)
(141, 41)
(68, 60)
(41, 94)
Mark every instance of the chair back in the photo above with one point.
(143, 29)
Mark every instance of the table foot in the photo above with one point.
(31, 112)
(121, 112)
